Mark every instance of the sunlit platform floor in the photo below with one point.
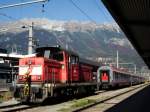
(139, 102)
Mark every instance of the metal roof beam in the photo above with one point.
(137, 22)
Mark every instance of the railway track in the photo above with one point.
(22, 107)
(87, 108)
(16, 107)
(54, 107)
(68, 105)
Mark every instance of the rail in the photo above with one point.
(104, 100)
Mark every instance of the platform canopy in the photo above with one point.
(133, 17)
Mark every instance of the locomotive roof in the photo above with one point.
(89, 62)
(56, 49)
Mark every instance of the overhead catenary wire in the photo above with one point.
(101, 10)
(82, 11)
(90, 18)
(21, 9)
(113, 26)
(2, 4)
(43, 10)
(105, 16)
(12, 18)
(20, 4)
(30, 42)
(7, 16)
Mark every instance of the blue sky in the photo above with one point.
(58, 10)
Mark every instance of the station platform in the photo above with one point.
(139, 102)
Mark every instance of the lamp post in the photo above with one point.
(117, 61)
(30, 38)
(134, 68)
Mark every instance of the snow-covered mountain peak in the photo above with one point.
(55, 25)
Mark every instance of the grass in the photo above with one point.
(64, 110)
(78, 104)
(82, 102)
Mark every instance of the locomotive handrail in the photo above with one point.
(27, 84)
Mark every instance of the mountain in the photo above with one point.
(92, 41)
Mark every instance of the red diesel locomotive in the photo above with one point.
(53, 72)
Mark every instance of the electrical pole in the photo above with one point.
(117, 60)
(30, 39)
(134, 68)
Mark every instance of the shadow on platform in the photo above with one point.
(139, 102)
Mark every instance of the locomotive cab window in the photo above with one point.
(47, 53)
(42, 54)
(58, 56)
(104, 75)
(74, 59)
(51, 54)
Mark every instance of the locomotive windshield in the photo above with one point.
(56, 55)
(47, 53)
(104, 75)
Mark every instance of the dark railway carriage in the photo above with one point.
(53, 72)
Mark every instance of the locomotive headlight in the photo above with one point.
(39, 77)
(75, 71)
(29, 62)
(63, 66)
(20, 77)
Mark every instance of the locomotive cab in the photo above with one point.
(69, 62)
(54, 64)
